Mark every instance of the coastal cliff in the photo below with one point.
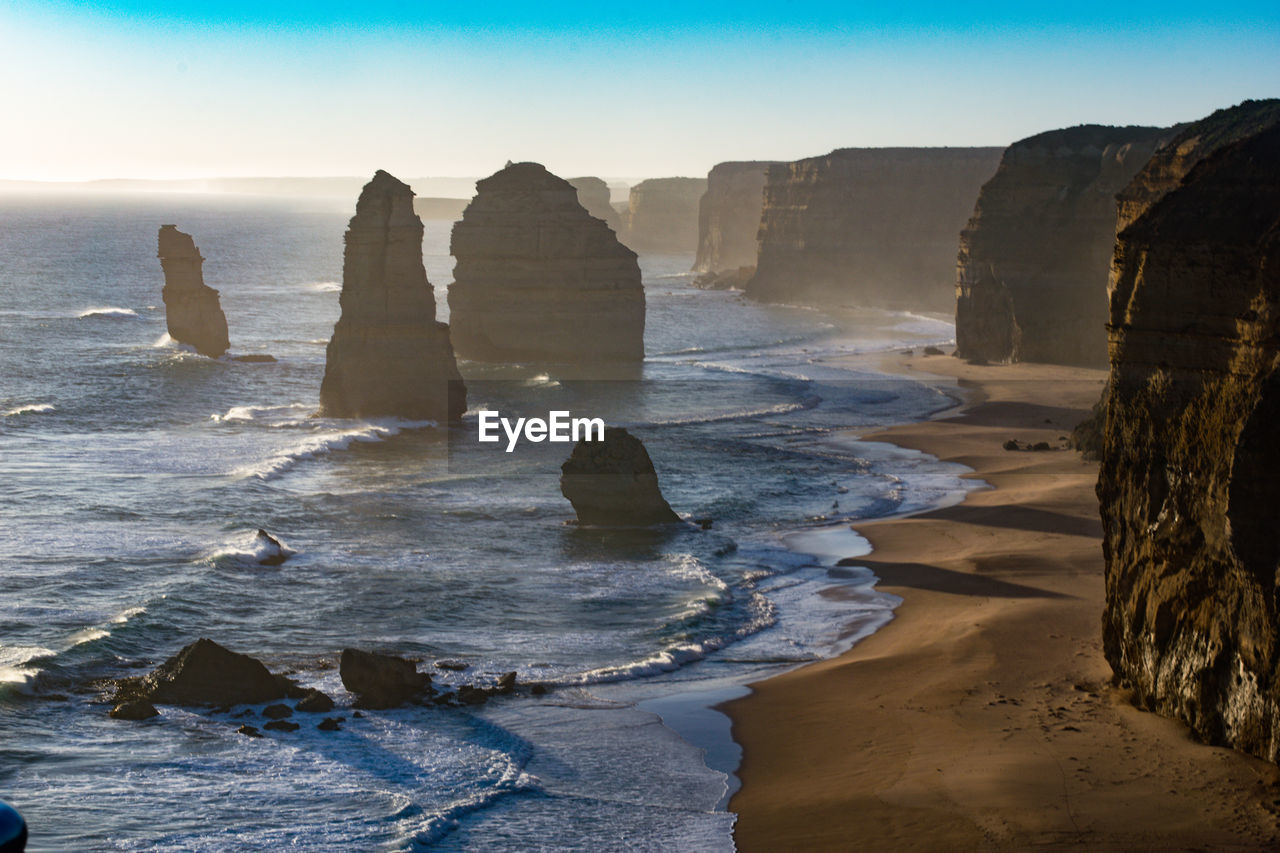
(868, 226)
(1191, 463)
(1031, 279)
(593, 195)
(662, 215)
(729, 216)
(192, 310)
(540, 279)
(388, 356)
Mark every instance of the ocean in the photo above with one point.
(135, 474)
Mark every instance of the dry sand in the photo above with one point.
(981, 717)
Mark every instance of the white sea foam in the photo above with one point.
(250, 549)
(292, 414)
(111, 312)
(32, 409)
(16, 663)
(323, 443)
(325, 286)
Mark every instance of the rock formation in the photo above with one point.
(205, 673)
(382, 681)
(662, 216)
(868, 226)
(1031, 280)
(191, 308)
(613, 482)
(388, 356)
(539, 279)
(594, 196)
(729, 216)
(1190, 474)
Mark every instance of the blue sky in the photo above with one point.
(136, 88)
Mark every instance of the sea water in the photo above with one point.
(135, 473)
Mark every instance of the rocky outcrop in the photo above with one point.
(382, 681)
(594, 196)
(388, 356)
(729, 216)
(734, 279)
(205, 673)
(1190, 475)
(613, 482)
(538, 279)
(868, 226)
(192, 309)
(1031, 280)
(662, 215)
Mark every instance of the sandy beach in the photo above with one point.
(982, 716)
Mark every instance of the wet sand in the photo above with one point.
(982, 716)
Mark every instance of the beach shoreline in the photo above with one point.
(982, 716)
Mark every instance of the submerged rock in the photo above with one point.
(729, 218)
(539, 279)
(613, 482)
(192, 310)
(388, 356)
(134, 709)
(662, 215)
(268, 550)
(1031, 279)
(382, 681)
(205, 673)
(869, 227)
(282, 726)
(1190, 474)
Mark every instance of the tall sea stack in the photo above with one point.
(540, 279)
(594, 196)
(192, 309)
(1031, 281)
(388, 356)
(662, 215)
(868, 226)
(1190, 475)
(729, 216)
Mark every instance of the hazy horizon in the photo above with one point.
(138, 89)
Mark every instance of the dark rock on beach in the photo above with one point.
(613, 482)
(134, 709)
(205, 673)
(193, 312)
(282, 726)
(249, 731)
(278, 711)
(382, 681)
(314, 702)
(330, 724)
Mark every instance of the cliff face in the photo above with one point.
(539, 279)
(388, 356)
(593, 195)
(729, 216)
(1190, 477)
(1031, 280)
(192, 309)
(662, 216)
(868, 226)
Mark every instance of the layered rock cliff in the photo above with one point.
(662, 215)
(1031, 280)
(729, 216)
(613, 482)
(192, 309)
(594, 196)
(388, 356)
(868, 226)
(540, 279)
(1190, 476)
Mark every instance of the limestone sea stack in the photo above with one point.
(729, 216)
(388, 356)
(613, 483)
(192, 309)
(1031, 280)
(538, 279)
(594, 196)
(662, 215)
(868, 226)
(1190, 475)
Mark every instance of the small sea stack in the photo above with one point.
(729, 218)
(594, 196)
(612, 483)
(388, 356)
(1031, 280)
(662, 215)
(206, 673)
(539, 279)
(193, 312)
(1190, 475)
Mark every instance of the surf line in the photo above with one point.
(558, 426)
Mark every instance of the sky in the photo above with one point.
(212, 88)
